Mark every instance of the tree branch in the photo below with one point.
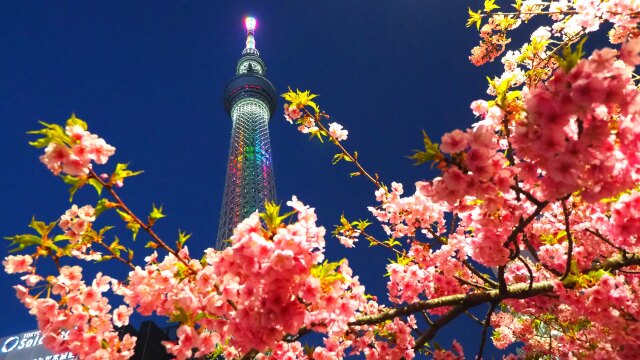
(516, 291)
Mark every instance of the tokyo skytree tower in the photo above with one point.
(250, 100)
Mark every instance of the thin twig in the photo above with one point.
(115, 255)
(485, 327)
(524, 262)
(378, 242)
(603, 238)
(466, 282)
(344, 151)
(426, 317)
(567, 227)
(474, 318)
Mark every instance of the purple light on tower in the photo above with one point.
(250, 100)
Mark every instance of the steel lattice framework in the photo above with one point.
(250, 101)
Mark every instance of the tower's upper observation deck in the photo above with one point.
(250, 80)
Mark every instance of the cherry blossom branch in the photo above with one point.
(526, 194)
(560, 12)
(603, 238)
(144, 225)
(466, 264)
(116, 256)
(344, 151)
(516, 291)
(442, 321)
(524, 223)
(378, 242)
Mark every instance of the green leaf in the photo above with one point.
(571, 57)
(501, 90)
(131, 223)
(182, 238)
(73, 120)
(326, 272)
(597, 275)
(23, 241)
(101, 206)
(272, 217)
(336, 158)
(490, 5)
(474, 18)
(96, 185)
(518, 4)
(302, 98)
(354, 174)
(75, 182)
(135, 228)
(392, 242)
(431, 151)
(59, 238)
(361, 224)
(156, 213)
(115, 247)
(51, 133)
(124, 216)
(403, 260)
(179, 316)
(40, 227)
(122, 172)
(151, 245)
(104, 230)
(317, 133)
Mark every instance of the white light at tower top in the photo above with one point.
(250, 23)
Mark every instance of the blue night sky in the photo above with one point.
(148, 77)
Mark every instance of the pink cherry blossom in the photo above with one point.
(14, 264)
(75, 159)
(336, 132)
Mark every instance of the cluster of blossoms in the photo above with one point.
(336, 132)
(491, 45)
(81, 320)
(571, 19)
(291, 113)
(406, 215)
(269, 283)
(571, 141)
(348, 237)
(76, 158)
(428, 274)
(76, 221)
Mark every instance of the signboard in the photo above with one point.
(28, 346)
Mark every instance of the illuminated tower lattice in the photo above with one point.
(250, 100)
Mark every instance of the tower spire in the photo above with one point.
(249, 100)
(250, 24)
